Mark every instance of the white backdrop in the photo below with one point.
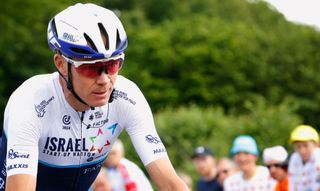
(299, 11)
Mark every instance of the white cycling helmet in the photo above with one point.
(77, 32)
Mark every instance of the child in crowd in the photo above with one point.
(304, 164)
(276, 160)
(250, 176)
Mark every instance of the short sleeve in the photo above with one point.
(22, 134)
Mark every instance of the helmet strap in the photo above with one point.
(71, 89)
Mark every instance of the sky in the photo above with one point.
(300, 11)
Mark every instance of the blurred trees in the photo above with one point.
(183, 128)
(222, 53)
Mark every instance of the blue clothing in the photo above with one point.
(212, 185)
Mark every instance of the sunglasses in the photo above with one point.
(94, 68)
(225, 171)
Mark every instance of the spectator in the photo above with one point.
(226, 168)
(276, 159)
(205, 163)
(123, 174)
(101, 183)
(304, 164)
(250, 177)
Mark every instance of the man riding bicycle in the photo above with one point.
(60, 127)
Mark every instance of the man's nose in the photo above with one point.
(103, 77)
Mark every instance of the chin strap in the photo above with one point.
(70, 86)
(111, 98)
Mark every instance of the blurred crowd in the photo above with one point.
(120, 174)
(281, 171)
(240, 171)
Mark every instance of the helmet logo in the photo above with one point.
(52, 38)
(69, 37)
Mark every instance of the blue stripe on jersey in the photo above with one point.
(73, 166)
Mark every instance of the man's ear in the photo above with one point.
(60, 64)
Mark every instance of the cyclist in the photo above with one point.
(59, 127)
(304, 164)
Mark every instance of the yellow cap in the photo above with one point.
(304, 133)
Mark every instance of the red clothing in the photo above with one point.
(129, 184)
(283, 185)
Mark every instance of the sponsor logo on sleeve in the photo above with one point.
(152, 139)
(160, 150)
(123, 95)
(14, 166)
(40, 108)
(13, 154)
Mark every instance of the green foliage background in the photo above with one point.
(210, 69)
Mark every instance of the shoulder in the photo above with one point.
(262, 170)
(127, 89)
(30, 98)
(233, 179)
(317, 156)
(126, 85)
(34, 86)
(317, 153)
(295, 157)
(128, 96)
(26, 107)
(39, 81)
(263, 175)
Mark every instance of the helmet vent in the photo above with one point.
(105, 35)
(90, 42)
(80, 50)
(54, 28)
(118, 40)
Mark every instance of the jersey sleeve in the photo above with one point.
(22, 136)
(140, 126)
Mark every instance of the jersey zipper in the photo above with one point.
(77, 176)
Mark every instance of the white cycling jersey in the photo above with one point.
(64, 149)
